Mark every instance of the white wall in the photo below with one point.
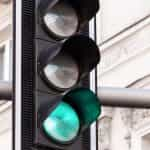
(115, 15)
(6, 127)
(5, 15)
(6, 141)
(118, 132)
(124, 59)
(127, 60)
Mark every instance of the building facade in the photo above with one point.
(123, 30)
(5, 72)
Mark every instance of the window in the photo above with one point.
(146, 142)
(5, 107)
(5, 72)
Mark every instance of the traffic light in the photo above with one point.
(64, 108)
(58, 56)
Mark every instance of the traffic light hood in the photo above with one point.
(85, 8)
(85, 51)
(86, 104)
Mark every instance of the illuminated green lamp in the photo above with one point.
(62, 125)
(78, 110)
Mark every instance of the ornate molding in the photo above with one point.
(126, 116)
(104, 133)
(125, 49)
(140, 115)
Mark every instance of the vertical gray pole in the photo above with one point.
(93, 85)
(17, 110)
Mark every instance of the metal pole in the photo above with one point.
(124, 97)
(109, 96)
(5, 90)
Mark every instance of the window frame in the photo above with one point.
(7, 60)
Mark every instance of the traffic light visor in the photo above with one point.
(84, 50)
(86, 103)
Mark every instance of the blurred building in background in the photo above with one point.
(123, 34)
(5, 72)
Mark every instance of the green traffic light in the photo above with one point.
(62, 125)
(78, 109)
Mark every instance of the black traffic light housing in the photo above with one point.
(39, 47)
(86, 54)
